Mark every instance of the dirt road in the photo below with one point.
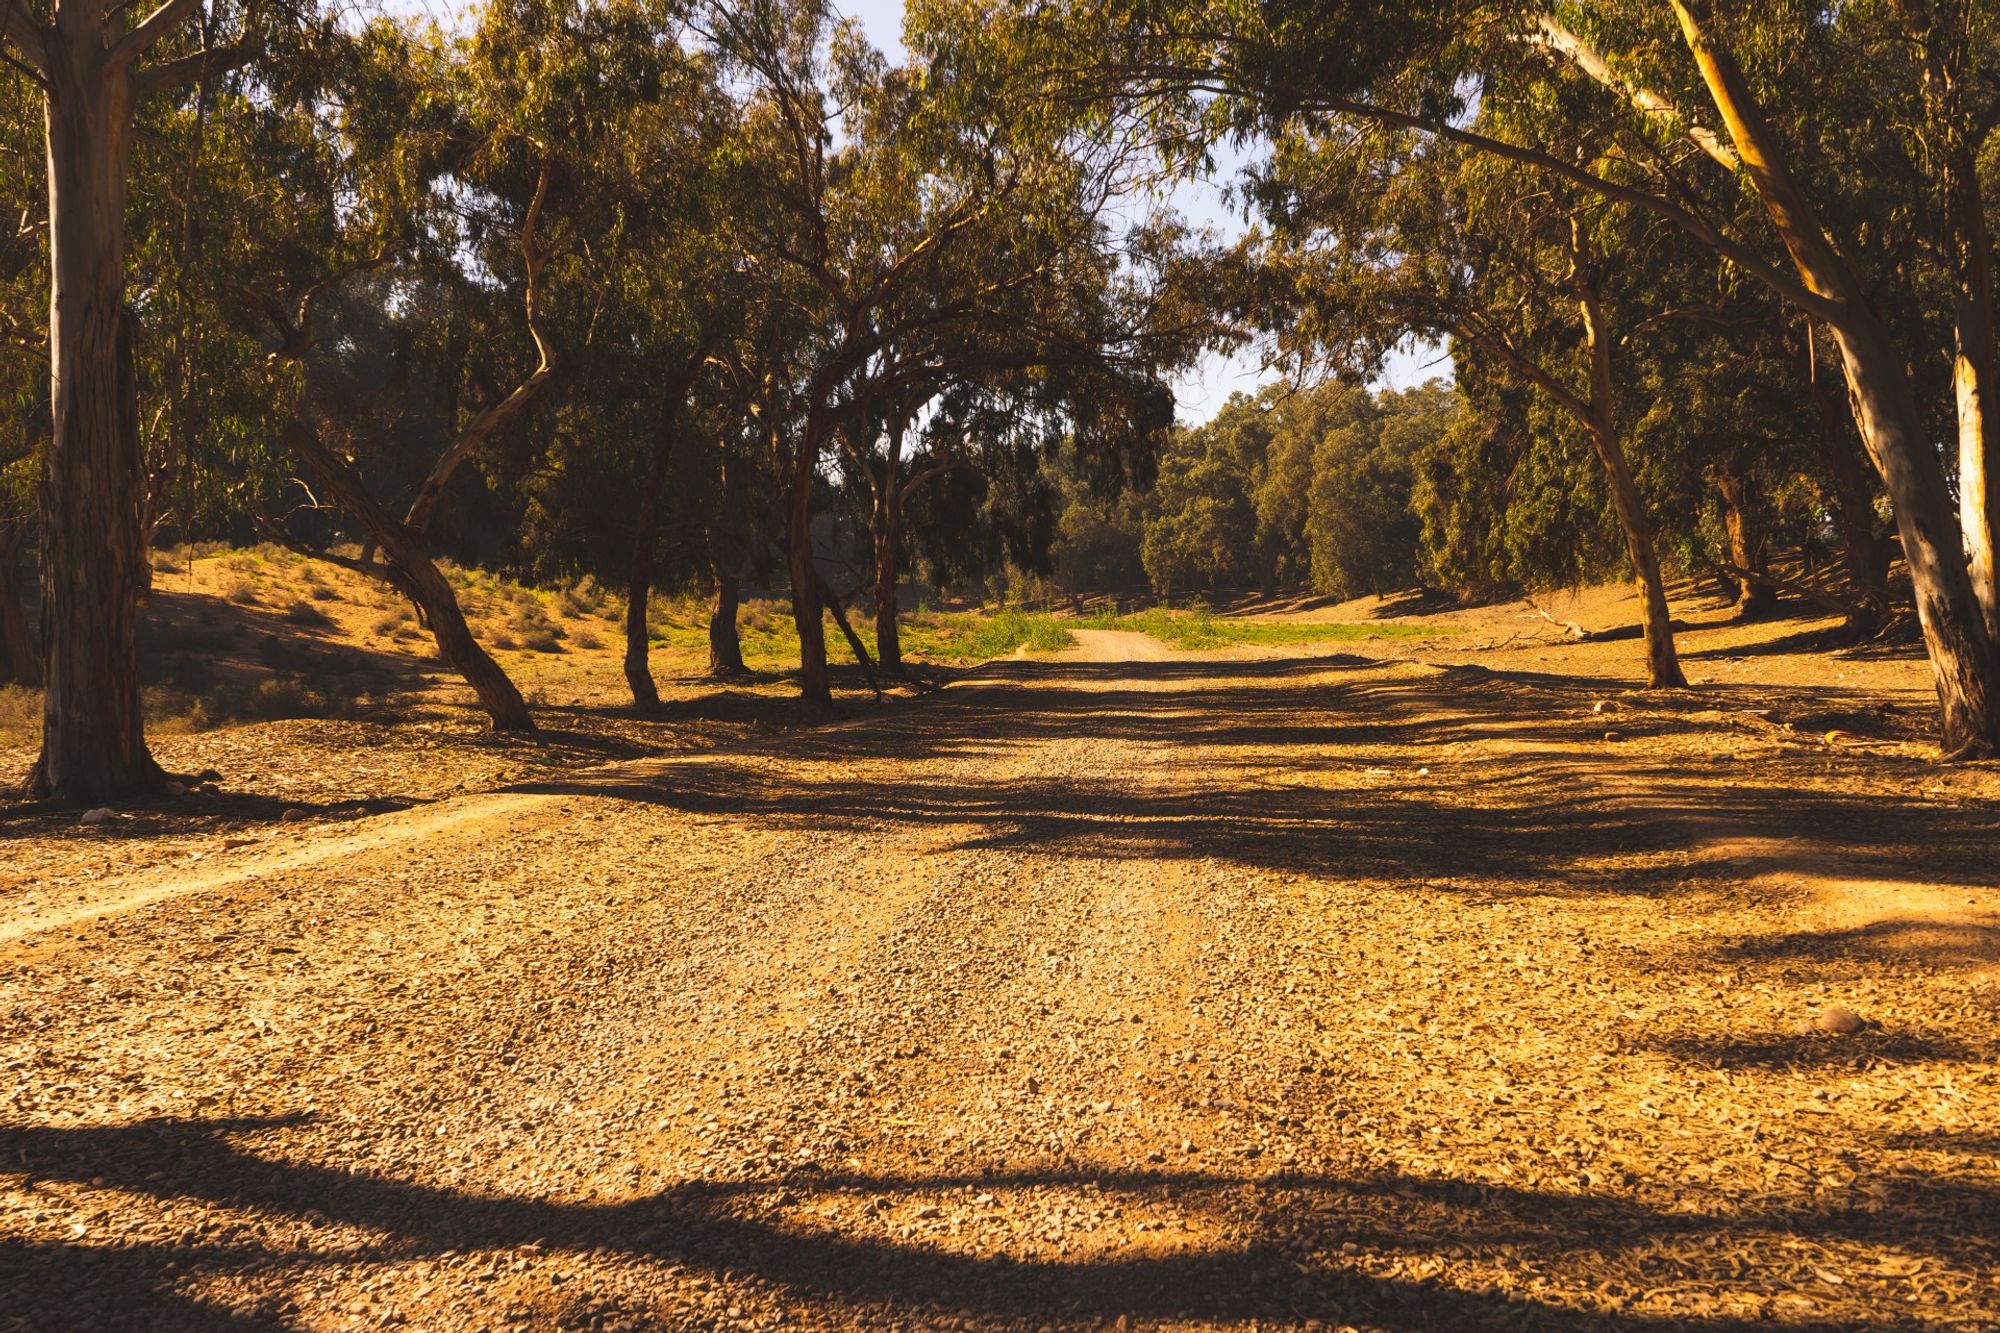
(1308, 991)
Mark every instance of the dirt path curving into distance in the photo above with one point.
(1131, 990)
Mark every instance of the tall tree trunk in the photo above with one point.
(407, 567)
(1663, 664)
(807, 612)
(1754, 600)
(94, 570)
(1963, 658)
(888, 548)
(1946, 45)
(725, 645)
(19, 664)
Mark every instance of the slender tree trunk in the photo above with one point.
(1963, 658)
(94, 570)
(854, 644)
(19, 664)
(1663, 665)
(407, 567)
(807, 612)
(638, 596)
(888, 544)
(1754, 600)
(725, 645)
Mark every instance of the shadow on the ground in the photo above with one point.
(1563, 810)
(1281, 1264)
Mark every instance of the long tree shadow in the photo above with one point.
(1285, 780)
(747, 1229)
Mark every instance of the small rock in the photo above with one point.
(1605, 706)
(1614, 735)
(100, 815)
(1839, 1020)
(1034, 1087)
(292, 816)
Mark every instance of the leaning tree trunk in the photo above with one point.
(725, 645)
(18, 663)
(1663, 664)
(1754, 599)
(409, 569)
(1963, 657)
(94, 570)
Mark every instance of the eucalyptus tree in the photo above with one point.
(915, 204)
(1379, 234)
(1668, 73)
(95, 65)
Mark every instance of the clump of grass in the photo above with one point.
(586, 639)
(242, 591)
(325, 592)
(391, 623)
(582, 598)
(530, 625)
(166, 562)
(302, 612)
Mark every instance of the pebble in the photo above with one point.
(292, 816)
(100, 815)
(1840, 1021)
(1604, 706)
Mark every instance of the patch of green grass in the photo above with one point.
(976, 636)
(1199, 628)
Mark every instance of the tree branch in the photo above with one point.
(30, 39)
(147, 32)
(1649, 104)
(481, 427)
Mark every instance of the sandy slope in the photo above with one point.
(1184, 993)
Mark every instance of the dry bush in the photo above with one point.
(582, 598)
(325, 592)
(167, 561)
(586, 639)
(242, 591)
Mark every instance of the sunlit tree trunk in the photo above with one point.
(1963, 660)
(94, 571)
